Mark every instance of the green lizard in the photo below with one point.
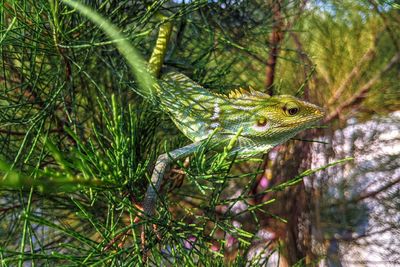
(262, 121)
(257, 120)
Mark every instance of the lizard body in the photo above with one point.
(263, 121)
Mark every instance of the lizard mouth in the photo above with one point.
(317, 115)
(302, 123)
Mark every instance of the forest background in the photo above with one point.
(78, 140)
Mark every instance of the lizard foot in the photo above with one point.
(177, 175)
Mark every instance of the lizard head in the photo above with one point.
(280, 117)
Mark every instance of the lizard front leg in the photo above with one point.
(162, 164)
(150, 199)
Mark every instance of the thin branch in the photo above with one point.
(359, 96)
(354, 74)
(363, 196)
(11, 132)
(376, 192)
(275, 40)
(307, 64)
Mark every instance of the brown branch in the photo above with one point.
(118, 238)
(359, 96)
(10, 132)
(363, 196)
(275, 40)
(354, 74)
(350, 237)
(307, 62)
(300, 50)
(376, 192)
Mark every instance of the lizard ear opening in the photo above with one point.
(261, 122)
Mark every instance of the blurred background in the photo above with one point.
(78, 140)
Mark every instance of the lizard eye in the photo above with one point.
(291, 109)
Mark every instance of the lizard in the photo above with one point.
(255, 119)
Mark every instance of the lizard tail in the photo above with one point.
(144, 74)
(160, 49)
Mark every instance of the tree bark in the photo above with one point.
(275, 40)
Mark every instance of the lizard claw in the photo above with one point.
(177, 176)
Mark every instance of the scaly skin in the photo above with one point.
(263, 121)
(266, 121)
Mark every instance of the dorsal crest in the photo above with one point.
(243, 93)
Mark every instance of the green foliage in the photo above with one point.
(78, 143)
(350, 48)
(79, 131)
